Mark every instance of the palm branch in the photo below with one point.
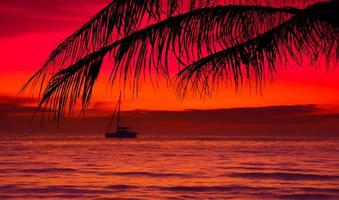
(117, 18)
(235, 30)
(308, 35)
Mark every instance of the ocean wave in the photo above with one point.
(265, 169)
(147, 174)
(321, 190)
(121, 187)
(6, 171)
(7, 187)
(213, 188)
(98, 173)
(52, 190)
(308, 196)
(282, 176)
(47, 170)
(25, 163)
(48, 196)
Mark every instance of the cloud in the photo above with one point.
(14, 105)
(17, 100)
(239, 115)
(296, 120)
(31, 16)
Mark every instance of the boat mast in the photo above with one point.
(119, 106)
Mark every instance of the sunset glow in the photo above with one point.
(169, 99)
(25, 50)
(39, 27)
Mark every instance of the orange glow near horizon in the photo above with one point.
(307, 88)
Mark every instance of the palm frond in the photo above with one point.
(191, 35)
(117, 18)
(307, 36)
(121, 18)
(148, 48)
(74, 82)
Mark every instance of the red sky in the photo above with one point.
(32, 28)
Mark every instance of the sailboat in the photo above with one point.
(121, 131)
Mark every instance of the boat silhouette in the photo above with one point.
(121, 131)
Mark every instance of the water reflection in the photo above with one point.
(80, 167)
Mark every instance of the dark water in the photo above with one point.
(150, 168)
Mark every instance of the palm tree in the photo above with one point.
(212, 41)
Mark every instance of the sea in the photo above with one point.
(91, 167)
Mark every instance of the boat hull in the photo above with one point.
(121, 135)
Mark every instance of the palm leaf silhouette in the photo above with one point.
(213, 42)
(117, 18)
(304, 36)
